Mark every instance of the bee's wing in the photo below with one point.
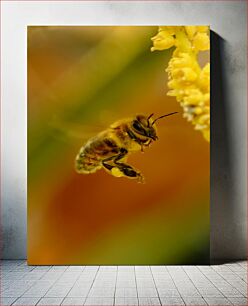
(71, 132)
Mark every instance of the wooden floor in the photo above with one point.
(123, 285)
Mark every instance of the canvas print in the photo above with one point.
(118, 145)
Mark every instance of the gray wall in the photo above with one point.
(228, 152)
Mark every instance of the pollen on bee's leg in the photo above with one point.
(116, 172)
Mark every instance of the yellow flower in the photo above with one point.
(201, 41)
(186, 74)
(193, 97)
(163, 40)
(190, 30)
(187, 81)
(202, 29)
(172, 30)
(182, 42)
(204, 79)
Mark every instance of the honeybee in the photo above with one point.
(110, 148)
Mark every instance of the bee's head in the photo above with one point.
(145, 126)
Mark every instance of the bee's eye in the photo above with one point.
(137, 126)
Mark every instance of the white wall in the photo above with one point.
(229, 96)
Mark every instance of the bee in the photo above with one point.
(110, 148)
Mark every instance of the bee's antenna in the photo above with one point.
(149, 118)
(164, 116)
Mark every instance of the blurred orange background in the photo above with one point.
(80, 80)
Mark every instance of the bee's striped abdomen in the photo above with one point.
(90, 156)
(86, 161)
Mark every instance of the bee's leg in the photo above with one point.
(126, 169)
(119, 169)
(109, 165)
(149, 142)
(106, 163)
(130, 172)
